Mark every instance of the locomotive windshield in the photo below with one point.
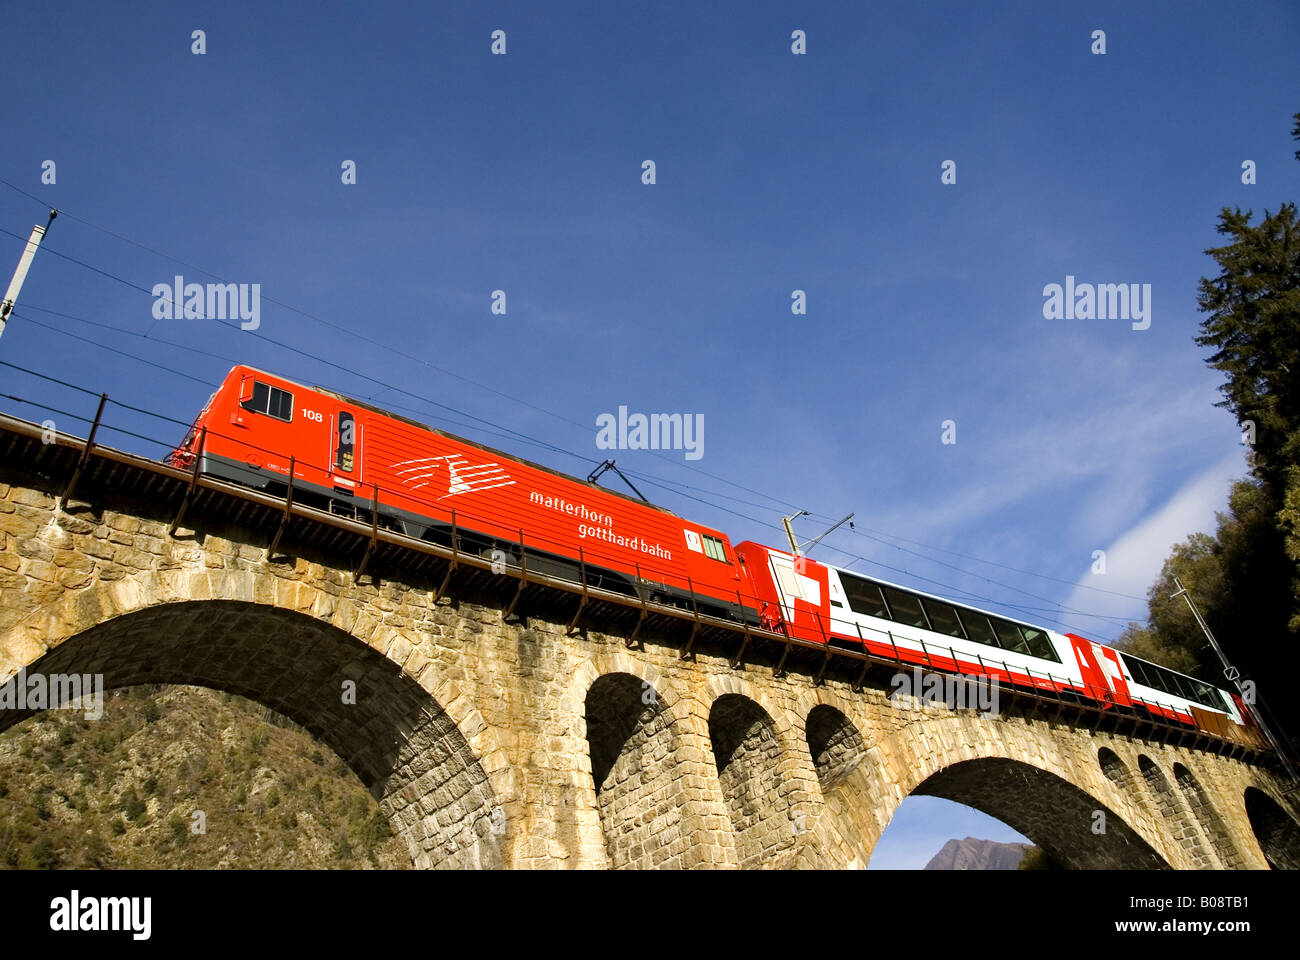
(271, 401)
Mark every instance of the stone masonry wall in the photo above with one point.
(483, 738)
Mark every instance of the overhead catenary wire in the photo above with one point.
(954, 592)
(338, 366)
(385, 346)
(422, 361)
(672, 486)
(963, 593)
(647, 479)
(235, 362)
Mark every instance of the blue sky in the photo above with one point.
(775, 172)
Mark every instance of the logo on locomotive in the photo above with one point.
(462, 476)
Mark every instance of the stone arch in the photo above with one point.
(306, 588)
(633, 747)
(928, 745)
(794, 769)
(1116, 771)
(838, 752)
(657, 803)
(834, 743)
(1121, 774)
(1276, 831)
(748, 752)
(404, 745)
(588, 672)
(1052, 812)
(1212, 825)
(1184, 832)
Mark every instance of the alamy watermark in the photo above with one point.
(212, 301)
(1099, 301)
(54, 691)
(658, 431)
(915, 690)
(75, 913)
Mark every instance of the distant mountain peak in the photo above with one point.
(972, 853)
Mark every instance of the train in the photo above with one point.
(357, 460)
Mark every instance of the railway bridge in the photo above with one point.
(505, 719)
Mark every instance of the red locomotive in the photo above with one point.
(350, 458)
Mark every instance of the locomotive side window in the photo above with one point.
(347, 440)
(713, 548)
(271, 401)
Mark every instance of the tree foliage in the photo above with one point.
(1036, 858)
(1254, 326)
(1246, 578)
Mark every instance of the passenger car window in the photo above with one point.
(863, 596)
(906, 608)
(1039, 644)
(978, 628)
(943, 619)
(1009, 636)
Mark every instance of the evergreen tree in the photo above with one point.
(1246, 578)
(1254, 322)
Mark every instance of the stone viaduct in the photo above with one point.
(499, 729)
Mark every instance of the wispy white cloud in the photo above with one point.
(1098, 463)
(1040, 489)
(1134, 559)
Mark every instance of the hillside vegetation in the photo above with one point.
(121, 792)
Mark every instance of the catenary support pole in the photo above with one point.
(20, 272)
(1233, 674)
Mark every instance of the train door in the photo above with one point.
(803, 589)
(1113, 673)
(1096, 679)
(345, 451)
